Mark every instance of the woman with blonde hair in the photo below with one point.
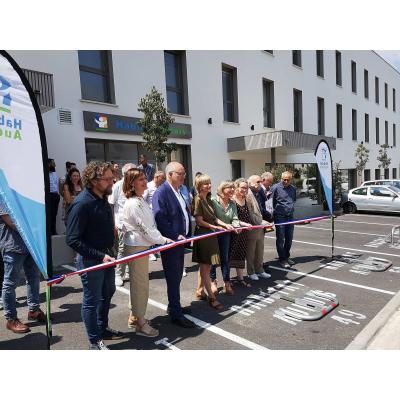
(225, 211)
(206, 251)
(140, 233)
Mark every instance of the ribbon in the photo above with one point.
(59, 278)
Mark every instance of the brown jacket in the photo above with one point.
(255, 216)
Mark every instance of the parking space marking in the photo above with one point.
(373, 216)
(333, 280)
(337, 230)
(359, 222)
(342, 248)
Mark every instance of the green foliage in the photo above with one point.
(383, 158)
(362, 157)
(155, 124)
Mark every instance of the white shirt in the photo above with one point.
(182, 202)
(53, 182)
(148, 194)
(117, 199)
(138, 224)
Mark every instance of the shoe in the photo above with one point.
(152, 257)
(118, 281)
(284, 264)
(228, 289)
(146, 330)
(214, 287)
(214, 303)
(98, 346)
(201, 295)
(112, 334)
(17, 326)
(254, 277)
(132, 321)
(184, 273)
(264, 275)
(290, 261)
(37, 315)
(183, 322)
(185, 310)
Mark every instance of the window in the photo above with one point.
(321, 115)
(361, 191)
(394, 99)
(95, 70)
(269, 51)
(386, 173)
(296, 57)
(229, 91)
(236, 169)
(175, 78)
(386, 96)
(339, 121)
(394, 135)
(297, 110)
(354, 124)
(338, 68)
(386, 133)
(320, 63)
(268, 103)
(376, 90)
(380, 192)
(377, 173)
(366, 85)
(376, 131)
(394, 173)
(367, 174)
(366, 128)
(353, 77)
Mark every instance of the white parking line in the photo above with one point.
(337, 230)
(202, 324)
(370, 216)
(356, 222)
(343, 248)
(333, 280)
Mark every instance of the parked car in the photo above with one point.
(383, 182)
(308, 187)
(372, 198)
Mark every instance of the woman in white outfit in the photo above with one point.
(140, 233)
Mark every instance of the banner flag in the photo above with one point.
(324, 162)
(23, 155)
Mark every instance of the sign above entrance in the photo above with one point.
(110, 123)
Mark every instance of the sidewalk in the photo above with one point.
(383, 332)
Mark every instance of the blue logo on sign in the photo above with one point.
(4, 92)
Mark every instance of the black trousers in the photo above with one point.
(54, 202)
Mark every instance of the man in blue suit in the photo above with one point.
(173, 221)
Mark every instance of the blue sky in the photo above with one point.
(392, 56)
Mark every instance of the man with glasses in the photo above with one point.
(173, 221)
(283, 198)
(90, 232)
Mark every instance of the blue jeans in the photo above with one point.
(284, 236)
(98, 289)
(224, 241)
(13, 265)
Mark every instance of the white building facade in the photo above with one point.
(236, 112)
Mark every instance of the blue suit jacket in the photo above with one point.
(168, 213)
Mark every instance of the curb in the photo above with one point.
(373, 329)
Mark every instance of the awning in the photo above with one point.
(288, 141)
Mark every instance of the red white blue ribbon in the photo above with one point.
(140, 254)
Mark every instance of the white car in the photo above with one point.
(373, 198)
(383, 182)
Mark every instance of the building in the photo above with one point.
(236, 112)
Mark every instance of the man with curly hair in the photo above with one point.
(90, 232)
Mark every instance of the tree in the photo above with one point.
(383, 158)
(155, 124)
(362, 157)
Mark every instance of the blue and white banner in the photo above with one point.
(22, 180)
(324, 162)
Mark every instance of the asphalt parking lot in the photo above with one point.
(315, 305)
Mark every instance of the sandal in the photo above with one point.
(201, 295)
(214, 287)
(214, 303)
(146, 330)
(243, 283)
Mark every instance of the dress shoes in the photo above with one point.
(183, 322)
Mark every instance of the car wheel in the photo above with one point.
(349, 208)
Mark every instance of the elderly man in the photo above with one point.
(267, 180)
(283, 196)
(158, 180)
(117, 200)
(173, 221)
(258, 216)
(90, 232)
